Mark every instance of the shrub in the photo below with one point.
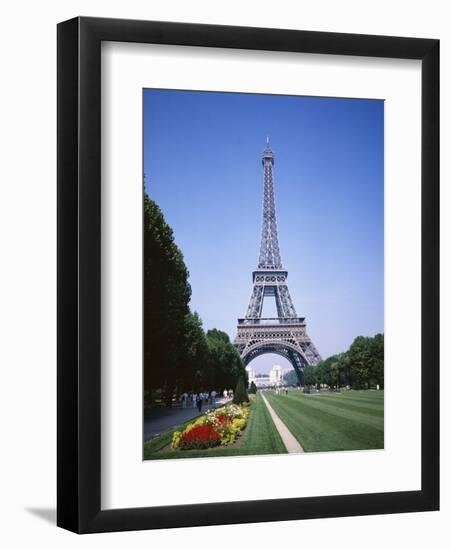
(240, 395)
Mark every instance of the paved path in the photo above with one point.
(291, 444)
(160, 420)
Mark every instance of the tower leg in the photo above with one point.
(256, 300)
(298, 364)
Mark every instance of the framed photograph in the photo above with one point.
(248, 274)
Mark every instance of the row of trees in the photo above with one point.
(362, 366)
(178, 355)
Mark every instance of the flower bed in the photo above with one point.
(219, 427)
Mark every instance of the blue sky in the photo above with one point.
(202, 160)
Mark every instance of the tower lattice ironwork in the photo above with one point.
(285, 334)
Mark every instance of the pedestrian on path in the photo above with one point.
(213, 398)
(199, 402)
(184, 398)
(194, 400)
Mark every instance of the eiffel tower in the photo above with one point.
(285, 334)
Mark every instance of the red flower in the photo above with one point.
(200, 437)
(223, 419)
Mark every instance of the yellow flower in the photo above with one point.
(176, 440)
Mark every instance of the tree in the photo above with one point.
(359, 367)
(177, 353)
(166, 297)
(310, 376)
(334, 373)
(344, 369)
(225, 364)
(359, 358)
(240, 393)
(253, 389)
(376, 366)
(194, 371)
(321, 373)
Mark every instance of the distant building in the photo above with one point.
(274, 378)
(276, 375)
(251, 375)
(262, 381)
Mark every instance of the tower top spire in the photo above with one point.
(268, 155)
(269, 255)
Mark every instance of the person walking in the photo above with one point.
(199, 402)
(184, 398)
(194, 400)
(213, 398)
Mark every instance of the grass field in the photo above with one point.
(259, 437)
(348, 420)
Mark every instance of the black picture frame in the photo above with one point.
(79, 280)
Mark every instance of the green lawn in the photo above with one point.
(259, 437)
(333, 421)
